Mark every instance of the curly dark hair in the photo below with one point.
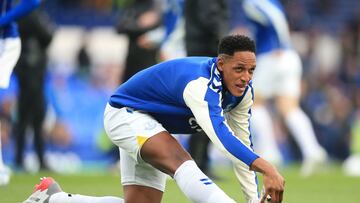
(233, 43)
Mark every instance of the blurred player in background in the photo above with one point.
(10, 47)
(36, 34)
(206, 22)
(181, 96)
(278, 77)
(137, 22)
(173, 43)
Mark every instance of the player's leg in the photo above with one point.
(9, 54)
(299, 124)
(37, 125)
(19, 128)
(49, 191)
(301, 128)
(151, 149)
(141, 181)
(165, 153)
(5, 171)
(198, 149)
(148, 194)
(261, 122)
(129, 129)
(351, 165)
(264, 134)
(63, 197)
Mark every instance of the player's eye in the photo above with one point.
(239, 69)
(251, 71)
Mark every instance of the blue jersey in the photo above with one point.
(187, 94)
(268, 23)
(10, 13)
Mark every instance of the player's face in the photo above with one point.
(237, 71)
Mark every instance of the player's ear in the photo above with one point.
(220, 63)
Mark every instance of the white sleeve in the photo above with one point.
(205, 103)
(238, 118)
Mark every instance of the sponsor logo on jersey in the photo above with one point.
(194, 125)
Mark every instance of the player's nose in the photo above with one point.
(246, 77)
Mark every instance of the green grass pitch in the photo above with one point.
(330, 186)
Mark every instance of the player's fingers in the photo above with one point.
(263, 198)
(282, 192)
(281, 196)
(266, 198)
(277, 196)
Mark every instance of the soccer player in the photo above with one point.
(181, 96)
(278, 76)
(10, 46)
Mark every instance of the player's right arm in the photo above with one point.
(23, 8)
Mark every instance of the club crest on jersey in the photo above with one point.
(150, 125)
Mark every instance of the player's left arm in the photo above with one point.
(23, 8)
(239, 117)
(205, 104)
(239, 121)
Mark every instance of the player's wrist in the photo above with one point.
(264, 167)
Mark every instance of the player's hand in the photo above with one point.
(148, 19)
(274, 185)
(145, 43)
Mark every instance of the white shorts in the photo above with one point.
(278, 74)
(129, 129)
(9, 54)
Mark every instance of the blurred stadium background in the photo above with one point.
(85, 63)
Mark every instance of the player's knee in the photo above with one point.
(164, 153)
(169, 162)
